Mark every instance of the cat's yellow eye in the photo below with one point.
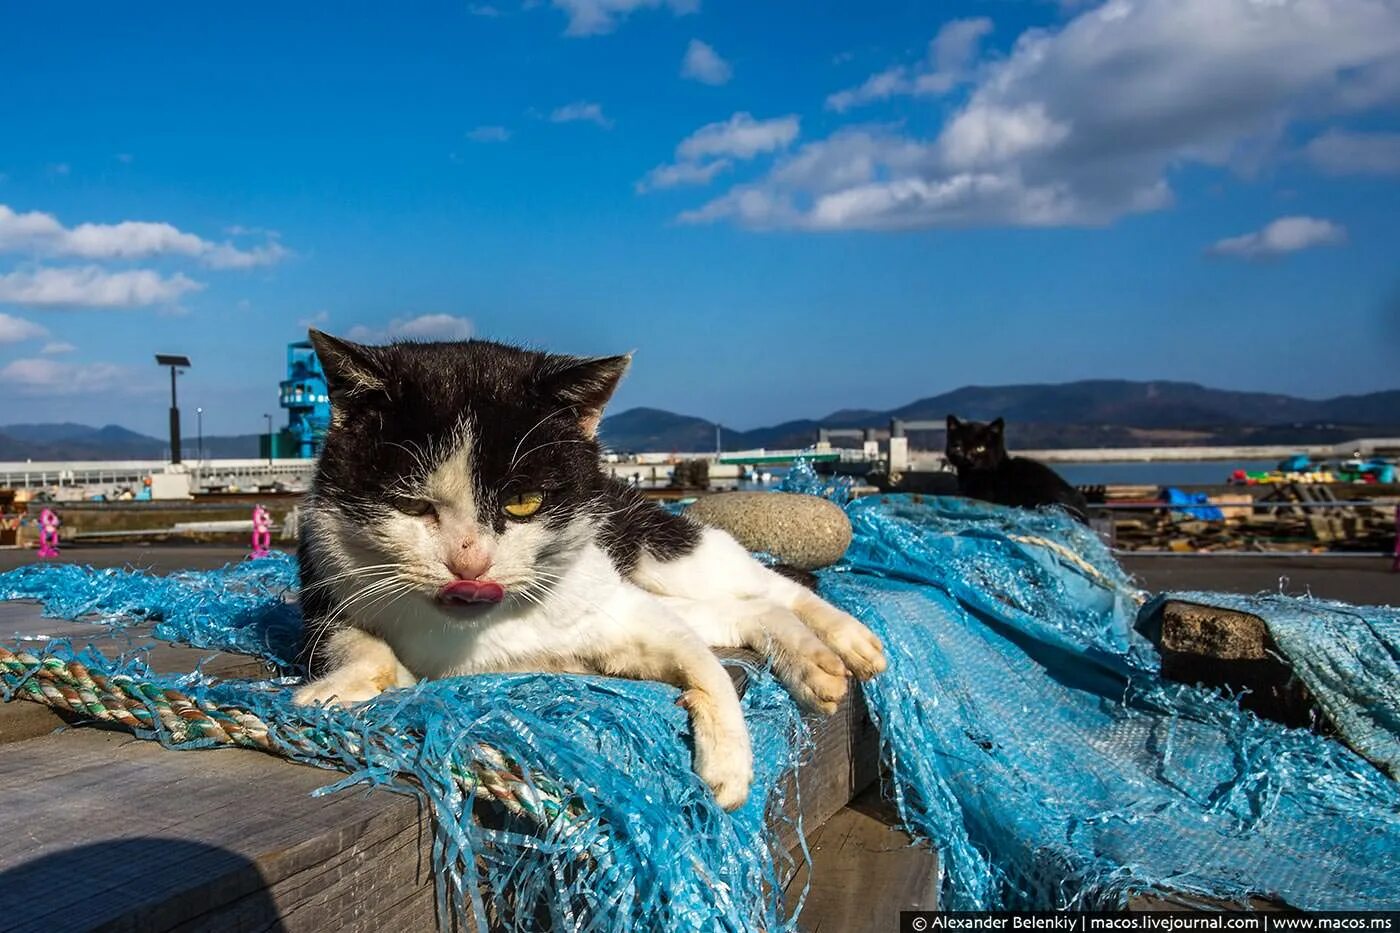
(523, 505)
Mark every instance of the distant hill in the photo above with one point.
(68, 441)
(1095, 413)
(1092, 413)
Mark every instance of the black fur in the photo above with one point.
(398, 408)
(978, 452)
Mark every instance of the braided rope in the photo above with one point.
(1080, 562)
(142, 706)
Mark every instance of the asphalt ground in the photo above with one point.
(1353, 579)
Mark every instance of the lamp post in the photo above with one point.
(269, 438)
(199, 420)
(177, 364)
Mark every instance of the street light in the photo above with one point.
(177, 364)
(199, 420)
(269, 437)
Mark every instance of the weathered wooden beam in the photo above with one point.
(108, 831)
(1232, 650)
(864, 871)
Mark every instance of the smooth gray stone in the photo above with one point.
(806, 532)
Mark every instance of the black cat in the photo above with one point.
(978, 452)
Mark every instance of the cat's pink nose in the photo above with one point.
(471, 562)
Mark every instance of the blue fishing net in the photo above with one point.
(1027, 735)
(619, 834)
(247, 607)
(1024, 730)
(1346, 656)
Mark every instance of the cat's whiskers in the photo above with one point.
(369, 590)
(373, 570)
(547, 444)
(329, 624)
(519, 443)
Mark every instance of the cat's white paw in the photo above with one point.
(723, 757)
(813, 674)
(344, 690)
(859, 648)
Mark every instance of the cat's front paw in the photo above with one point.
(723, 757)
(815, 676)
(334, 689)
(860, 648)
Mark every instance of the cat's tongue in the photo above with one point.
(468, 592)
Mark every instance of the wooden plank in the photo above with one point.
(108, 831)
(845, 760)
(863, 872)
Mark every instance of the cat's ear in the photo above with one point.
(352, 370)
(587, 385)
(998, 426)
(953, 423)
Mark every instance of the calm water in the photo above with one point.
(1129, 473)
(1161, 473)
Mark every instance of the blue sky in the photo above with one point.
(785, 208)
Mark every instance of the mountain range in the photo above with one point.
(1096, 413)
(68, 441)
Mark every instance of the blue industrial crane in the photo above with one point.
(308, 403)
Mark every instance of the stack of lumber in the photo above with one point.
(1279, 521)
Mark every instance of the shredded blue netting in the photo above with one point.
(646, 848)
(1026, 733)
(1024, 730)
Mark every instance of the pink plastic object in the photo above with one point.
(48, 533)
(262, 533)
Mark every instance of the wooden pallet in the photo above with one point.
(107, 831)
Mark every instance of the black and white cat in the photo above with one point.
(985, 471)
(460, 523)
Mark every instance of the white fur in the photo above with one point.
(720, 568)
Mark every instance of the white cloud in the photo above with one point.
(318, 320)
(581, 111)
(1342, 153)
(483, 9)
(1285, 235)
(423, 327)
(55, 347)
(950, 55)
(1086, 123)
(48, 377)
(739, 137)
(17, 329)
(682, 173)
(93, 287)
(39, 233)
(595, 17)
(702, 63)
(488, 134)
(878, 86)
